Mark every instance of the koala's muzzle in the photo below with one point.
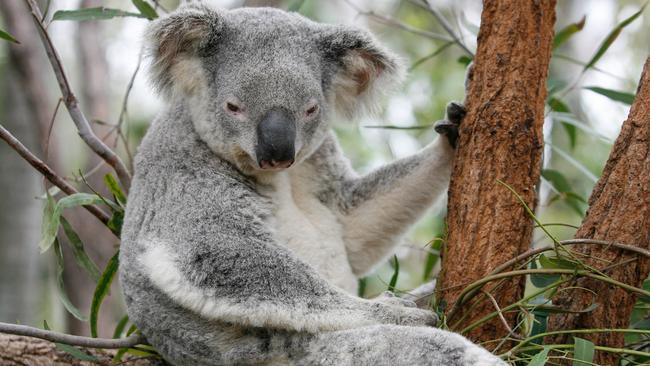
(276, 136)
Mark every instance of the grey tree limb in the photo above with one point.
(47, 172)
(81, 122)
(72, 340)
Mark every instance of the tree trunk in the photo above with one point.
(619, 211)
(500, 139)
(25, 351)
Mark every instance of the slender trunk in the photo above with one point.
(500, 140)
(619, 211)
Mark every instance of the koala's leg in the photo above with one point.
(383, 204)
(392, 345)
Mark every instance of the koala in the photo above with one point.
(246, 228)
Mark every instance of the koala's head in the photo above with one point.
(262, 84)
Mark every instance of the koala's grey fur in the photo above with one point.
(225, 263)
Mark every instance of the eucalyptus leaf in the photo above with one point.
(8, 37)
(80, 255)
(540, 358)
(65, 300)
(145, 9)
(103, 286)
(616, 95)
(77, 353)
(541, 280)
(565, 33)
(99, 13)
(114, 187)
(50, 224)
(465, 60)
(611, 37)
(557, 105)
(393, 279)
(119, 328)
(583, 352)
(557, 179)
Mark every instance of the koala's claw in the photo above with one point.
(449, 127)
(456, 112)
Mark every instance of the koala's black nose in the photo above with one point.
(276, 136)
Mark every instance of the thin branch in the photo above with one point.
(47, 172)
(396, 23)
(72, 340)
(443, 22)
(85, 131)
(500, 312)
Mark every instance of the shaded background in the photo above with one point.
(101, 59)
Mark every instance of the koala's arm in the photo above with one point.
(216, 257)
(382, 205)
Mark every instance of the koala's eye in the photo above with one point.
(231, 107)
(312, 110)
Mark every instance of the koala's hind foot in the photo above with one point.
(449, 127)
(393, 345)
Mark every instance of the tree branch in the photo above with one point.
(443, 22)
(48, 173)
(72, 340)
(85, 131)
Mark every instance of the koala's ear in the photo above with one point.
(360, 70)
(175, 44)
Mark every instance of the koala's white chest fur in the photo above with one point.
(310, 229)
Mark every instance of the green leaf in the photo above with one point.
(465, 60)
(145, 9)
(557, 179)
(115, 222)
(619, 96)
(393, 279)
(611, 37)
(52, 214)
(80, 255)
(119, 328)
(559, 106)
(361, 290)
(100, 13)
(50, 224)
(8, 37)
(118, 356)
(432, 258)
(103, 286)
(556, 263)
(540, 358)
(76, 353)
(540, 280)
(583, 352)
(69, 306)
(565, 33)
(114, 188)
(296, 5)
(72, 351)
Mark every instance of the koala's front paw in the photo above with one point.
(417, 317)
(389, 298)
(399, 314)
(449, 127)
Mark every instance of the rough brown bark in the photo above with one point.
(25, 351)
(619, 211)
(500, 139)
